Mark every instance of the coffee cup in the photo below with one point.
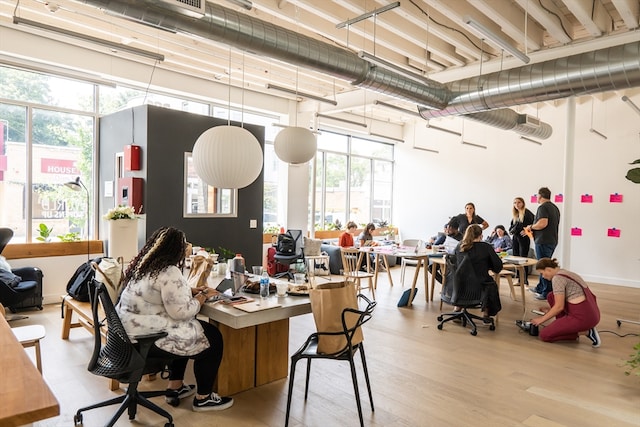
(281, 289)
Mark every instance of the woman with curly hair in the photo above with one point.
(157, 298)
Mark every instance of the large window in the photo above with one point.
(48, 137)
(353, 181)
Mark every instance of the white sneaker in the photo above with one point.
(594, 336)
(213, 402)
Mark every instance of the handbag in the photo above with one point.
(327, 304)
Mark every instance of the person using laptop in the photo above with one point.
(157, 298)
(453, 237)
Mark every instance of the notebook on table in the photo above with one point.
(252, 307)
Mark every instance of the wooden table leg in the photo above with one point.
(272, 351)
(238, 367)
(522, 273)
(425, 265)
(386, 265)
(413, 285)
(375, 270)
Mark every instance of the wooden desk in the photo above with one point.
(377, 251)
(522, 273)
(422, 259)
(25, 396)
(256, 345)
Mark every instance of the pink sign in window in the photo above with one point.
(586, 198)
(613, 232)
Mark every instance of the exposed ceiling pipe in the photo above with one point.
(612, 68)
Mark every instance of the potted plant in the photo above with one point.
(44, 233)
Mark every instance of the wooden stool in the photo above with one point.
(30, 336)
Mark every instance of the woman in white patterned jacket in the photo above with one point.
(157, 298)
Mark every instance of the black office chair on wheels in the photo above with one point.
(122, 360)
(287, 255)
(462, 289)
(23, 290)
(352, 319)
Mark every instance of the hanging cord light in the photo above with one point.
(295, 144)
(228, 156)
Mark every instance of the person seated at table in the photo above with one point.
(366, 239)
(483, 259)
(438, 239)
(346, 238)
(156, 298)
(453, 235)
(572, 304)
(499, 239)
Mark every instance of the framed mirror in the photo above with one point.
(202, 200)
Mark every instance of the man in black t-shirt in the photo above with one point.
(545, 235)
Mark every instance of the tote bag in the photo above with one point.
(327, 303)
(200, 270)
(110, 271)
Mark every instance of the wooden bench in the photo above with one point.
(83, 314)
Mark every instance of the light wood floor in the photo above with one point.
(420, 376)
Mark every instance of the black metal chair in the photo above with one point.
(14, 295)
(309, 351)
(287, 259)
(463, 290)
(122, 360)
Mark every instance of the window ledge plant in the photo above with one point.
(120, 212)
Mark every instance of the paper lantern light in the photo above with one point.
(227, 157)
(295, 145)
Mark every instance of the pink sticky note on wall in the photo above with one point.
(613, 232)
(576, 231)
(534, 198)
(586, 198)
(615, 198)
(559, 198)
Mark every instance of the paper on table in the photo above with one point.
(252, 307)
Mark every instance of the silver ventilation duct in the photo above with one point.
(606, 69)
(612, 68)
(508, 119)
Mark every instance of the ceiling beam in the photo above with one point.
(592, 15)
(549, 20)
(628, 10)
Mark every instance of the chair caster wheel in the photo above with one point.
(492, 328)
(440, 327)
(474, 333)
(169, 425)
(77, 419)
(439, 318)
(619, 323)
(173, 401)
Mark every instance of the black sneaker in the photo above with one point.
(213, 402)
(594, 337)
(173, 396)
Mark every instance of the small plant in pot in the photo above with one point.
(44, 233)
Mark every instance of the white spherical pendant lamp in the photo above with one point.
(227, 157)
(295, 145)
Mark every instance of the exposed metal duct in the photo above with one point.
(508, 119)
(613, 68)
(606, 69)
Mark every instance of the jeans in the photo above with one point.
(544, 251)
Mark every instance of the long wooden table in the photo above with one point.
(25, 396)
(256, 345)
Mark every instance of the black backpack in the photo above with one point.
(78, 285)
(286, 244)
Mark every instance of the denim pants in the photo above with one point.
(544, 251)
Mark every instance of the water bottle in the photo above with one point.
(264, 285)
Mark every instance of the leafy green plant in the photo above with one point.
(633, 364)
(44, 233)
(633, 175)
(226, 253)
(69, 237)
(274, 229)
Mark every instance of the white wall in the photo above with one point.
(431, 187)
